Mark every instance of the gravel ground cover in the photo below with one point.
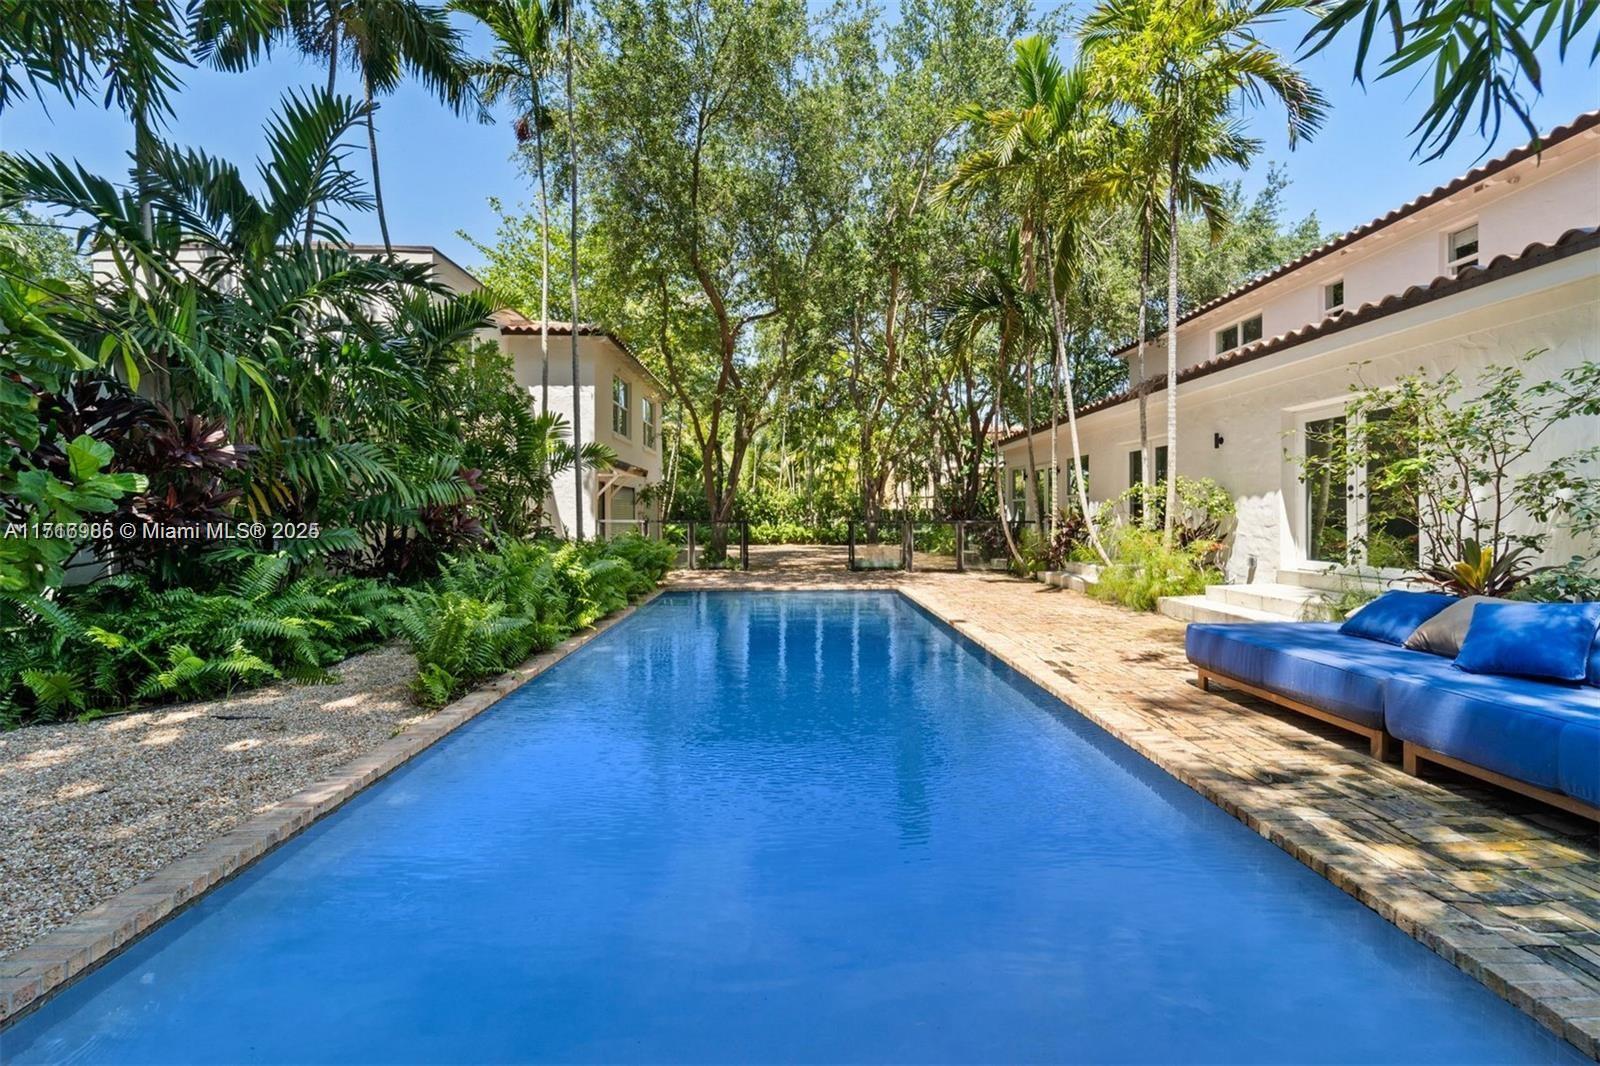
(87, 810)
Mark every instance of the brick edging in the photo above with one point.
(1507, 970)
(31, 975)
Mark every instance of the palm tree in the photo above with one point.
(516, 70)
(1136, 179)
(1045, 154)
(385, 40)
(1187, 65)
(572, 252)
(993, 304)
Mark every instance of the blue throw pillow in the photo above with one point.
(1394, 616)
(1545, 640)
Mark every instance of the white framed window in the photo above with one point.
(621, 392)
(1461, 249)
(1333, 297)
(1244, 331)
(647, 422)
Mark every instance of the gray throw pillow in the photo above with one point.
(1443, 633)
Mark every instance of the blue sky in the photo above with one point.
(439, 170)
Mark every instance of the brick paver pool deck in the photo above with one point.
(1505, 889)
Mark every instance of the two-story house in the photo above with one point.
(620, 404)
(1499, 262)
(619, 401)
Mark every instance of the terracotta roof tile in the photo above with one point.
(1587, 121)
(1572, 242)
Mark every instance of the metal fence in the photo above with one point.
(711, 545)
(606, 528)
(955, 545)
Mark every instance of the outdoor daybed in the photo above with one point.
(1518, 704)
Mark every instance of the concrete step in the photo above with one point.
(1294, 602)
(1207, 609)
(1061, 579)
(1336, 581)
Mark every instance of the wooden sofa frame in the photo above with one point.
(1379, 743)
(1382, 745)
(1413, 756)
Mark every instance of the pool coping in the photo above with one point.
(1504, 969)
(30, 976)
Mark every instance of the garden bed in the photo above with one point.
(94, 808)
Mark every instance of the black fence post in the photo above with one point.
(905, 544)
(690, 543)
(851, 538)
(744, 544)
(961, 547)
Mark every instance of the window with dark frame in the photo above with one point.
(1333, 296)
(1245, 331)
(620, 390)
(1462, 249)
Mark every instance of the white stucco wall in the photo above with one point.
(1258, 407)
(1537, 199)
(599, 359)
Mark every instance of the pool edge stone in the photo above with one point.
(35, 972)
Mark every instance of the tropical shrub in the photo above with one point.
(651, 559)
(488, 611)
(1455, 481)
(1576, 581)
(785, 531)
(1479, 572)
(1043, 552)
(1143, 569)
(1205, 510)
(123, 642)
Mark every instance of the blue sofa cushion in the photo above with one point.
(1311, 662)
(1394, 616)
(1542, 640)
(1594, 662)
(1541, 733)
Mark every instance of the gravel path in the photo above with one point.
(89, 810)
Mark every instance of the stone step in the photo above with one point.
(1207, 609)
(1295, 602)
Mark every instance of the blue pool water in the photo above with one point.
(778, 827)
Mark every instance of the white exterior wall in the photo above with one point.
(599, 359)
(1534, 200)
(1259, 407)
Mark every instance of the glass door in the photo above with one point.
(1327, 492)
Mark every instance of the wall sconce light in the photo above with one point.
(1216, 440)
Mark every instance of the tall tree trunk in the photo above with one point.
(1172, 351)
(1142, 386)
(544, 250)
(572, 257)
(1055, 420)
(141, 170)
(1035, 491)
(377, 185)
(1058, 320)
(1000, 467)
(333, 75)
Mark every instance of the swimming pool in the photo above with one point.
(796, 826)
